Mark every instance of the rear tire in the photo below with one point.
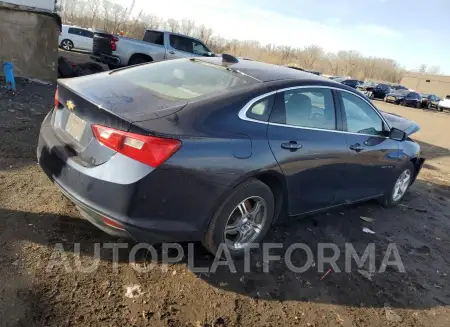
(390, 199)
(224, 217)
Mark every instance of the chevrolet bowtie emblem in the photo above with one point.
(70, 105)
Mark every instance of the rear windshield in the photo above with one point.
(184, 78)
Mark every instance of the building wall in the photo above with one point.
(436, 84)
(30, 41)
(39, 4)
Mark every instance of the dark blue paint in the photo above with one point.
(176, 201)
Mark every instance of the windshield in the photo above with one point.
(184, 78)
(447, 97)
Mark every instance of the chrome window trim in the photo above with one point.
(243, 112)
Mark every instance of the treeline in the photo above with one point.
(112, 17)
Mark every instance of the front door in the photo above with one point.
(372, 156)
(309, 149)
(179, 47)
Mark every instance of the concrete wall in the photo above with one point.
(30, 41)
(424, 83)
(48, 5)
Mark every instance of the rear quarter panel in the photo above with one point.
(127, 47)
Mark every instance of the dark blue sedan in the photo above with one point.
(218, 150)
(412, 99)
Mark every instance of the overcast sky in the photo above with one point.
(410, 31)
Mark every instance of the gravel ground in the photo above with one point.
(34, 216)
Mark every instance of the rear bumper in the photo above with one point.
(106, 59)
(163, 205)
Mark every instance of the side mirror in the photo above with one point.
(397, 134)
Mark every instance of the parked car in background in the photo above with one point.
(366, 88)
(444, 104)
(73, 37)
(430, 101)
(352, 83)
(380, 91)
(396, 96)
(116, 51)
(397, 87)
(134, 150)
(412, 99)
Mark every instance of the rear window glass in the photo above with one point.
(184, 78)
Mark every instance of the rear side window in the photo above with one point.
(154, 37)
(88, 34)
(306, 107)
(260, 110)
(75, 31)
(183, 78)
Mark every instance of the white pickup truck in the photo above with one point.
(116, 51)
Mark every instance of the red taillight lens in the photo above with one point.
(114, 41)
(150, 150)
(112, 223)
(56, 99)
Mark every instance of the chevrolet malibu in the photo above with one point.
(218, 150)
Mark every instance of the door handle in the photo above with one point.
(172, 52)
(292, 145)
(356, 147)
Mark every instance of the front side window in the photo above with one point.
(306, 107)
(361, 117)
(200, 49)
(181, 43)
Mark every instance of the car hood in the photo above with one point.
(445, 101)
(406, 125)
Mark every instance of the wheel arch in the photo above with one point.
(139, 55)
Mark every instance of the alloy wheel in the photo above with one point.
(401, 185)
(67, 45)
(245, 222)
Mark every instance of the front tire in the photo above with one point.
(401, 185)
(67, 45)
(243, 218)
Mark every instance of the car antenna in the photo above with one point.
(229, 59)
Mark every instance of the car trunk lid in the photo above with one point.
(84, 102)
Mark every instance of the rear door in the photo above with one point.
(88, 38)
(372, 156)
(304, 138)
(76, 38)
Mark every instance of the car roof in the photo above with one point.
(264, 72)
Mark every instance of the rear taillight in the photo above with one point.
(114, 41)
(57, 99)
(150, 150)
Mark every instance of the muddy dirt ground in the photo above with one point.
(34, 216)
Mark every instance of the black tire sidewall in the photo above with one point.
(215, 233)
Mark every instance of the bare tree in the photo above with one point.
(173, 25)
(434, 70)
(422, 68)
(187, 27)
(114, 18)
(94, 6)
